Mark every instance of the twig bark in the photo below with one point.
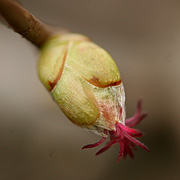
(24, 23)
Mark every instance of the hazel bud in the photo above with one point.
(85, 82)
(76, 71)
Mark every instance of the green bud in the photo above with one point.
(84, 81)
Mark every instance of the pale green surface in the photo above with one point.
(75, 97)
(50, 63)
(90, 60)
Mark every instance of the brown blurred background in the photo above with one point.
(37, 142)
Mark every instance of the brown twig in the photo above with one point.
(23, 22)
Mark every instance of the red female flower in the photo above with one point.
(124, 135)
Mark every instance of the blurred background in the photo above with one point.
(37, 141)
